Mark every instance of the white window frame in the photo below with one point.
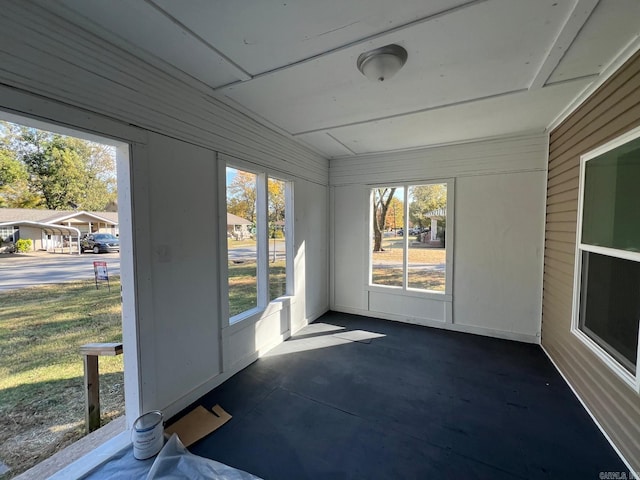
(262, 245)
(629, 378)
(447, 295)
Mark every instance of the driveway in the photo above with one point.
(27, 270)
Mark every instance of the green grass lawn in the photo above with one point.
(243, 292)
(41, 371)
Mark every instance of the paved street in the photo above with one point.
(39, 268)
(25, 270)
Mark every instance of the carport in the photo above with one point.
(50, 244)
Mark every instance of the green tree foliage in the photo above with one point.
(242, 194)
(14, 181)
(424, 199)
(55, 171)
(11, 169)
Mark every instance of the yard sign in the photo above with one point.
(101, 273)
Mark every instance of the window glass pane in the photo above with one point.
(427, 234)
(277, 239)
(388, 236)
(610, 305)
(241, 240)
(611, 215)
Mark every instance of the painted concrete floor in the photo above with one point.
(352, 397)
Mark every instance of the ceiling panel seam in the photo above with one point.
(237, 69)
(575, 21)
(361, 41)
(412, 112)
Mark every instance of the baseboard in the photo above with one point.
(455, 327)
(584, 405)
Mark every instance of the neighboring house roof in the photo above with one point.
(16, 215)
(53, 216)
(440, 212)
(236, 220)
(46, 227)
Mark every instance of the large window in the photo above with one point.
(257, 240)
(607, 290)
(409, 249)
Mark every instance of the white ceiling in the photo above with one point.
(475, 69)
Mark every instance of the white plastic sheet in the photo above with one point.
(175, 462)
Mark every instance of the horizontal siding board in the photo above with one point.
(612, 110)
(561, 236)
(594, 137)
(627, 71)
(558, 166)
(561, 227)
(558, 289)
(556, 308)
(569, 216)
(558, 176)
(555, 256)
(552, 270)
(104, 79)
(623, 98)
(568, 206)
(571, 184)
(560, 296)
(561, 247)
(569, 195)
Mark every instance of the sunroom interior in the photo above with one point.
(499, 103)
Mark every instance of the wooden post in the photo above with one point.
(91, 352)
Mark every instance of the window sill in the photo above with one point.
(443, 297)
(253, 316)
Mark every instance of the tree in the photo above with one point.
(276, 200)
(11, 169)
(14, 187)
(395, 214)
(425, 199)
(59, 171)
(381, 200)
(242, 195)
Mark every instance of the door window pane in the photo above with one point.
(387, 258)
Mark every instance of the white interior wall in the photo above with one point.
(498, 239)
(186, 348)
(175, 136)
(184, 263)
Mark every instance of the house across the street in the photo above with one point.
(60, 230)
(53, 230)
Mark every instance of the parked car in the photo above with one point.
(100, 243)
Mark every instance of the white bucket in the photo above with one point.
(147, 435)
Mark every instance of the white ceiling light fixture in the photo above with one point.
(382, 63)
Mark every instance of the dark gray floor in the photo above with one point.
(404, 402)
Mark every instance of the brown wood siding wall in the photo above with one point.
(611, 111)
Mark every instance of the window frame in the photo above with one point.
(447, 295)
(263, 304)
(633, 380)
